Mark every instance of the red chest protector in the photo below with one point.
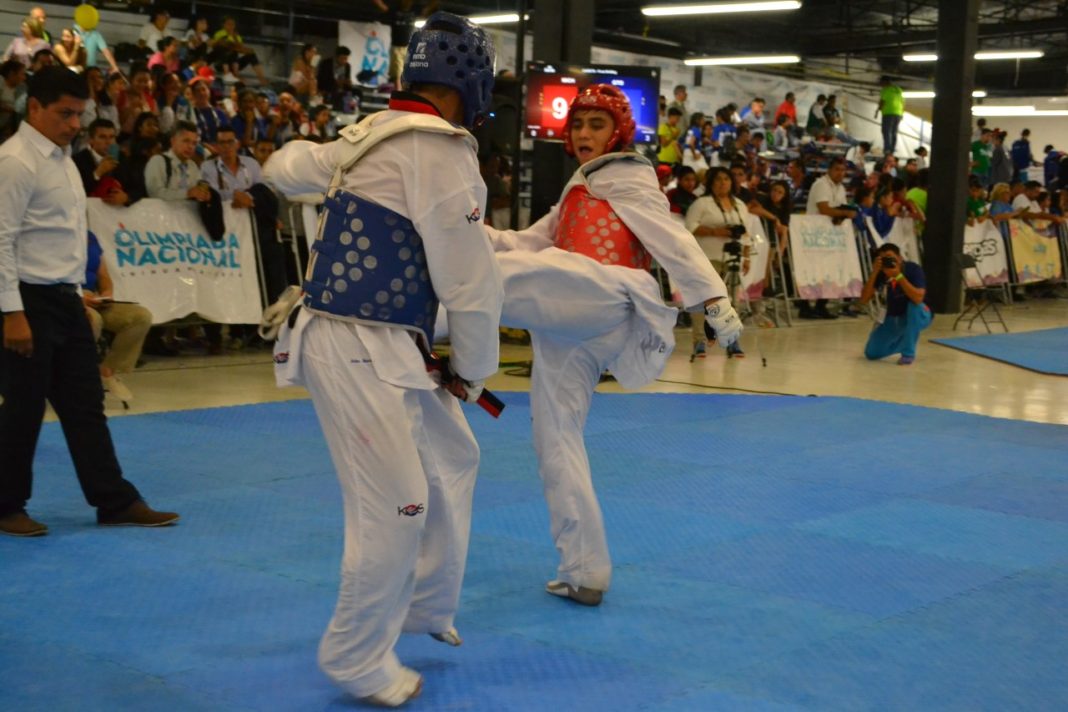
(590, 227)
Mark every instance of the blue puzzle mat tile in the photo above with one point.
(953, 532)
(1020, 493)
(850, 575)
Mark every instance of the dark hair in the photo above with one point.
(225, 128)
(923, 176)
(343, 51)
(315, 110)
(165, 42)
(789, 95)
(981, 121)
(159, 11)
(674, 111)
(305, 47)
(897, 184)
(920, 148)
(140, 146)
(98, 124)
(710, 177)
(10, 67)
(861, 193)
(797, 162)
(821, 97)
(1047, 149)
(787, 200)
(684, 171)
(53, 83)
(680, 87)
(1025, 132)
(185, 126)
(143, 118)
(836, 161)
(1032, 184)
(758, 99)
(138, 68)
(41, 52)
(782, 119)
(866, 145)
(889, 247)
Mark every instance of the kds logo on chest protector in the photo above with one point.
(411, 510)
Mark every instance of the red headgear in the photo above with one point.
(603, 97)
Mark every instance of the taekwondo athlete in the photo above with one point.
(400, 232)
(577, 280)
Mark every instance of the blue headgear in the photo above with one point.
(452, 51)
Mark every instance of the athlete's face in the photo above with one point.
(591, 131)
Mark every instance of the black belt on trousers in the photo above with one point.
(61, 288)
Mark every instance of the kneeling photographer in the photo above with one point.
(906, 315)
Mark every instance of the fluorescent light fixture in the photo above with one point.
(726, 61)
(485, 19)
(719, 8)
(1018, 54)
(1008, 54)
(1005, 110)
(977, 94)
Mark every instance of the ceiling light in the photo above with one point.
(977, 94)
(1009, 54)
(1006, 110)
(719, 8)
(1017, 54)
(485, 19)
(722, 61)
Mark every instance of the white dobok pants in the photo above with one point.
(406, 460)
(583, 318)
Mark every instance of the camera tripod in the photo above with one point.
(739, 295)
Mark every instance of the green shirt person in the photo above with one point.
(892, 106)
(982, 153)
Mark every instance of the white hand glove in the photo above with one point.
(276, 314)
(724, 321)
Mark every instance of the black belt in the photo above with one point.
(62, 287)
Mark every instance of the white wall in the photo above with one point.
(1044, 130)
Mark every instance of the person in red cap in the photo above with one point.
(578, 281)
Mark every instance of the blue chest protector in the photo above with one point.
(369, 265)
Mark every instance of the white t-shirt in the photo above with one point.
(1022, 202)
(825, 190)
(706, 212)
(151, 36)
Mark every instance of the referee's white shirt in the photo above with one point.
(43, 228)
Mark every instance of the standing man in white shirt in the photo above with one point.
(48, 350)
(153, 31)
(827, 197)
(401, 231)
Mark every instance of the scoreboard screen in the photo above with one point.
(551, 87)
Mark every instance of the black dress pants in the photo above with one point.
(62, 371)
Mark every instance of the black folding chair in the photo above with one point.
(978, 295)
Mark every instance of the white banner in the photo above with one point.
(370, 44)
(1036, 254)
(158, 255)
(984, 242)
(903, 234)
(824, 258)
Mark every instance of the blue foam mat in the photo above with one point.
(766, 558)
(1045, 351)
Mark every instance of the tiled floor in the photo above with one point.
(822, 357)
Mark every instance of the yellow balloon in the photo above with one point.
(87, 17)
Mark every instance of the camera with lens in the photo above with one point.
(733, 249)
(889, 262)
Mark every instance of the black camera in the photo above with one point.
(889, 262)
(736, 231)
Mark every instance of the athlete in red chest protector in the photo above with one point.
(577, 281)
